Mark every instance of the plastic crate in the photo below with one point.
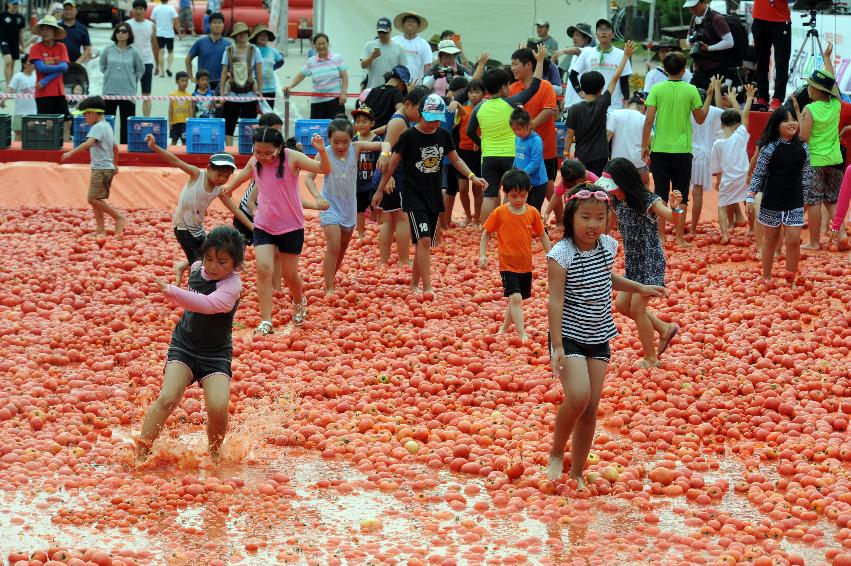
(138, 127)
(205, 135)
(81, 129)
(245, 128)
(5, 130)
(304, 130)
(561, 134)
(42, 131)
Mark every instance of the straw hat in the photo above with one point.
(824, 81)
(238, 28)
(50, 21)
(258, 29)
(399, 21)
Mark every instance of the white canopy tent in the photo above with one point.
(495, 26)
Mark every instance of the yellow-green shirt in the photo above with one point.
(180, 109)
(824, 138)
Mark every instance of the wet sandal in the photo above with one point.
(264, 328)
(668, 339)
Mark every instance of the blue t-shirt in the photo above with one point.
(78, 37)
(529, 156)
(185, 4)
(272, 59)
(209, 54)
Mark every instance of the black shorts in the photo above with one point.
(392, 201)
(178, 133)
(671, 170)
(453, 181)
(364, 200)
(200, 368)
(516, 283)
(536, 196)
(246, 232)
(12, 50)
(165, 43)
(473, 159)
(551, 165)
(53, 105)
(190, 244)
(287, 243)
(493, 168)
(326, 110)
(574, 349)
(423, 225)
(147, 78)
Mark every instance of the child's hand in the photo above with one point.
(65, 156)
(383, 163)
(483, 262)
(317, 142)
(828, 51)
(453, 106)
(795, 105)
(376, 199)
(832, 239)
(559, 361)
(541, 53)
(483, 58)
(628, 49)
(152, 143)
(731, 98)
(322, 204)
(161, 284)
(479, 182)
(676, 199)
(750, 91)
(653, 291)
(750, 209)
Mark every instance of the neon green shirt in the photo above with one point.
(674, 102)
(497, 136)
(824, 138)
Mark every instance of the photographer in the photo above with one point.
(709, 38)
(446, 69)
(772, 28)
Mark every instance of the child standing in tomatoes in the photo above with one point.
(580, 319)
(201, 345)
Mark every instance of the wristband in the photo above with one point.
(385, 153)
(471, 175)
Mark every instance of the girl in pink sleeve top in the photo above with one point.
(201, 345)
(572, 173)
(837, 226)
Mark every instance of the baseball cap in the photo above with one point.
(402, 73)
(363, 111)
(71, 2)
(448, 46)
(434, 108)
(691, 3)
(603, 22)
(541, 23)
(222, 160)
(14, 2)
(383, 24)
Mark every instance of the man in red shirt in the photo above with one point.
(772, 28)
(542, 109)
(50, 58)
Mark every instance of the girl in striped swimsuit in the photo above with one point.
(580, 317)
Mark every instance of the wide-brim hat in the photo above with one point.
(582, 28)
(824, 81)
(448, 46)
(399, 21)
(238, 28)
(258, 29)
(665, 42)
(50, 21)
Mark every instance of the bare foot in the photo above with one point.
(648, 363)
(329, 292)
(682, 243)
(580, 484)
(555, 468)
(428, 294)
(502, 329)
(523, 337)
(406, 263)
(120, 225)
(725, 240)
(96, 234)
(811, 246)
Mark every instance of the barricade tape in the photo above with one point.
(78, 97)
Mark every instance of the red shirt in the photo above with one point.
(545, 98)
(52, 55)
(771, 10)
(845, 120)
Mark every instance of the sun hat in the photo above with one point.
(582, 28)
(448, 46)
(824, 81)
(383, 24)
(399, 21)
(51, 22)
(222, 160)
(434, 108)
(258, 29)
(363, 111)
(238, 28)
(665, 42)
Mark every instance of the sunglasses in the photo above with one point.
(585, 194)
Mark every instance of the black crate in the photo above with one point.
(5, 130)
(42, 131)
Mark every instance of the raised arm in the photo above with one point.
(828, 58)
(305, 163)
(480, 65)
(700, 114)
(172, 159)
(628, 50)
(750, 91)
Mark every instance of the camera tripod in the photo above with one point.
(813, 36)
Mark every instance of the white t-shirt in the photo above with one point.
(591, 59)
(25, 84)
(704, 135)
(730, 158)
(627, 125)
(164, 15)
(657, 75)
(418, 52)
(142, 32)
(571, 97)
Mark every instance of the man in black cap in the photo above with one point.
(712, 38)
(604, 58)
(381, 55)
(543, 29)
(77, 40)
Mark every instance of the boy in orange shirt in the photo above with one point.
(514, 223)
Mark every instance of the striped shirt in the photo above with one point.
(587, 312)
(326, 76)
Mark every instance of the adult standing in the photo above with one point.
(209, 51)
(582, 37)
(328, 71)
(381, 55)
(122, 68)
(772, 28)
(50, 58)
(165, 17)
(145, 40)
(713, 37)
(417, 49)
(657, 74)
(242, 72)
(543, 29)
(12, 25)
(77, 39)
(604, 59)
(272, 60)
(187, 17)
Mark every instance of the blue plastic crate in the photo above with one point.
(205, 135)
(304, 130)
(245, 128)
(138, 127)
(81, 129)
(561, 134)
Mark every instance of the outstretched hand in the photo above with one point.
(676, 199)
(152, 142)
(653, 291)
(161, 284)
(541, 53)
(628, 49)
(828, 50)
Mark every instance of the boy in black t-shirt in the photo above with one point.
(420, 150)
(364, 122)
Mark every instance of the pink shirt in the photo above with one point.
(842, 203)
(221, 300)
(279, 208)
(589, 176)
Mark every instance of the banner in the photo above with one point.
(836, 29)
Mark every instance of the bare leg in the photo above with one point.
(723, 224)
(680, 227)
(332, 251)
(576, 385)
(792, 238)
(478, 202)
(291, 276)
(104, 207)
(177, 376)
(586, 425)
(265, 256)
(170, 60)
(515, 303)
(385, 237)
(464, 194)
(179, 269)
(696, 198)
(361, 225)
(758, 229)
(488, 205)
(422, 265)
(738, 218)
(403, 237)
(506, 321)
(276, 274)
(8, 68)
(770, 237)
(160, 57)
(146, 105)
(448, 205)
(345, 239)
(814, 220)
(645, 330)
(217, 397)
